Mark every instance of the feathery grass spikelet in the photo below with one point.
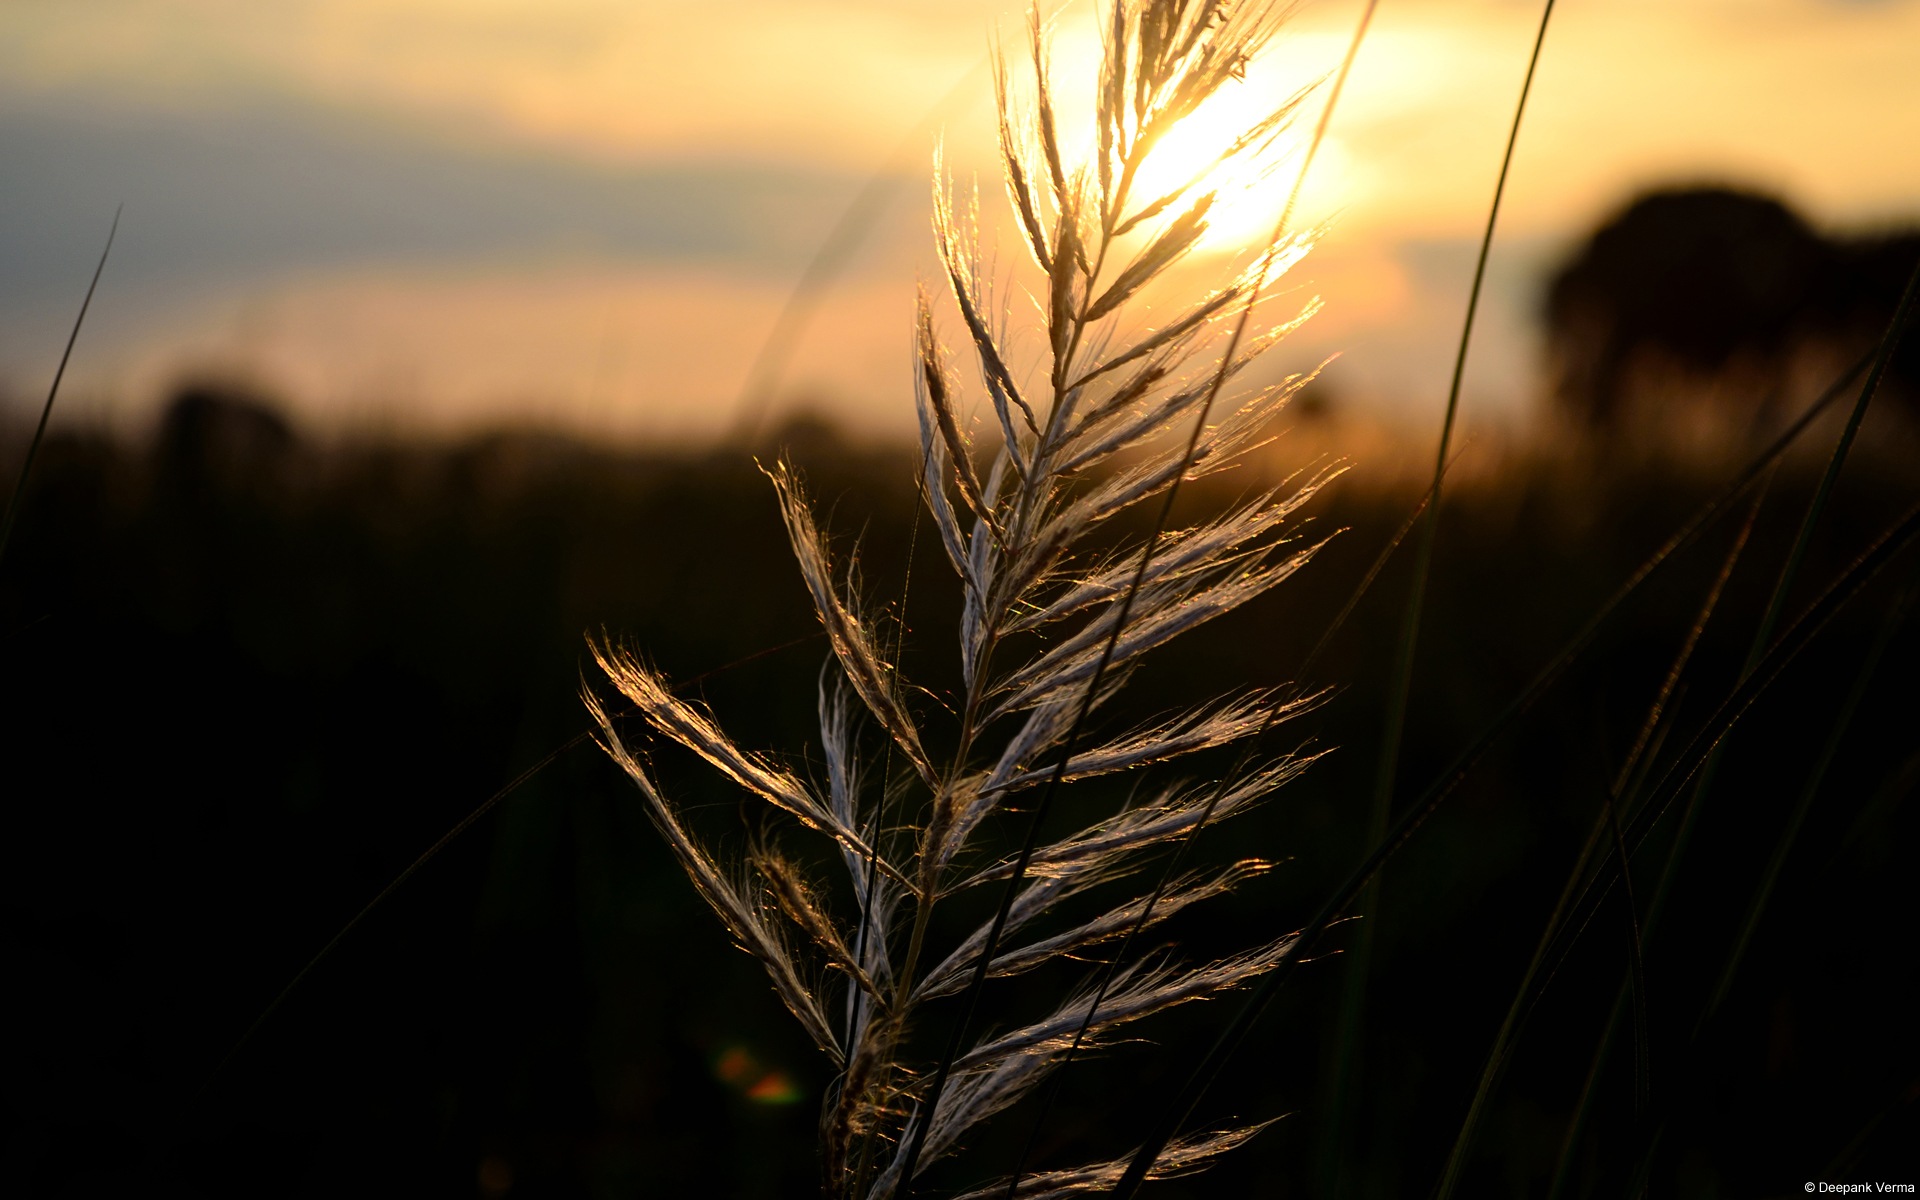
(1051, 607)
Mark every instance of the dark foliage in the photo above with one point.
(1702, 278)
(252, 677)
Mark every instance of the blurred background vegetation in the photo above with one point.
(254, 673)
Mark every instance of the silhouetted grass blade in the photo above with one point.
(1387, 757)
(46, 410)
(431, 852)
(1443, 786)
(1233, 775)
(1843, 720)
(1606, 824)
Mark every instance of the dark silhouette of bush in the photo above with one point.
(220, 436)
(1709, 281)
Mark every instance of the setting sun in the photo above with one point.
(1250, 189)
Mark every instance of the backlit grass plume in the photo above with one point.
(1057, 610)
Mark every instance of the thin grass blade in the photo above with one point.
(1334, 1145)
(446, 839)
(1607, 824)
(1889, 546)
(1757, 907)
(53, 392)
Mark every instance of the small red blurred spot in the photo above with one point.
(774, 1088)
(736, 1066)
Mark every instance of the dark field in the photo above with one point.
(251, 678)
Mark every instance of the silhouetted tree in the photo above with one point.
(1703, 278)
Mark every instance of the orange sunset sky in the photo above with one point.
(442, 214)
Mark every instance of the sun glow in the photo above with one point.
(1250, 188)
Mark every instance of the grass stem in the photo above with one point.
(1168, 873)
(1335, 1150)
(46, 411)
(1606, 824)
(1228, 1041)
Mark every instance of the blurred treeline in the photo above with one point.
(251, 676)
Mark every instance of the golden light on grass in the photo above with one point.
(1202, 152)
(1251, 188)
